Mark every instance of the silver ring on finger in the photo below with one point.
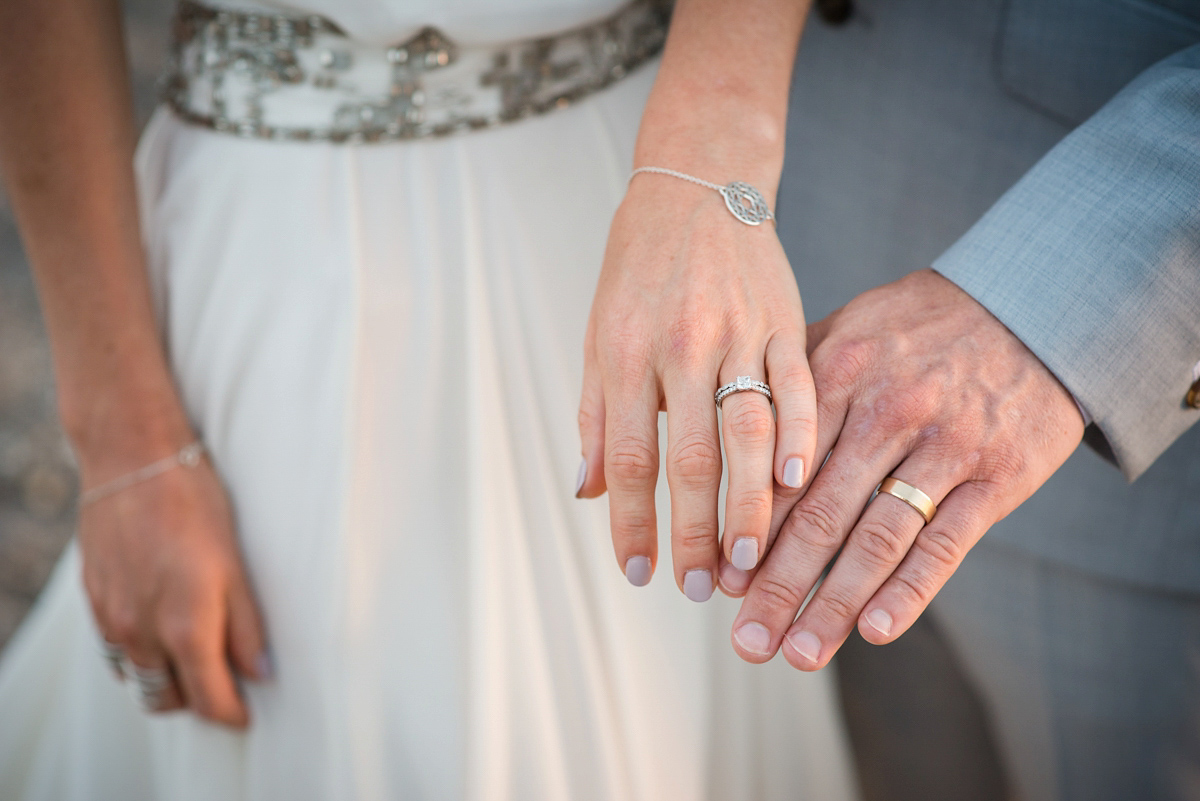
(115, 656)
(152, 685)
(743, 383)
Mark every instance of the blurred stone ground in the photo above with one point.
(37, 474)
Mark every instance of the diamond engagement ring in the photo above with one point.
(744, 383)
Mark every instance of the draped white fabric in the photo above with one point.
(382, 348)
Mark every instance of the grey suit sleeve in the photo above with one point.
(1093, 260)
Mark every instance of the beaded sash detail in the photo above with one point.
(301, 78)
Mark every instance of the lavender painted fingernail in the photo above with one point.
(744, 554)
(697, 585)
(263, 667)
(753, 637)
(637, 570)
(793, 472)
(581, 476)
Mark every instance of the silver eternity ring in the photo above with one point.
(743, 383)
(152, 685)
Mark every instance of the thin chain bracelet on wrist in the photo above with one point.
(743, 200)
(187, 456)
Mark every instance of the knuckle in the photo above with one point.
(752, 423)
(901, 409)
(846, 363)
(835, 605)
(696, 536)
(754, 505)
(630, 461)
(633, 525)
(799, 423)
(1003, 462)
(589, 419)
(182, 636)
(941, 548)
(625, 358)
(687, 326)
(686, 337)
(792, 374)
(815, 524)
(776, 594)
(881, 544)
(695, 461)
(915, 588)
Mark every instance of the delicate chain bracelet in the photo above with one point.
(188, 456)
(743, 200)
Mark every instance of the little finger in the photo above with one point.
(796, 409)
(630, 474)
(247, 638)
(589, 480)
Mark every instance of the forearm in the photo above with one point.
(66, 149)
(719, 105)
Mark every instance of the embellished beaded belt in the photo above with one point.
(302, 78)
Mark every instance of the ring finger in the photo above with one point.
(153, 682)
(748, 427)
(876, 545)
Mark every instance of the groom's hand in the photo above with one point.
(915, 380)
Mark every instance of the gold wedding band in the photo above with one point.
(910, 495)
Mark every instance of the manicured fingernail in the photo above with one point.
(807, 645)
(733, 579)
(744, 554)
(793, 472)
(637, 570)
(263, 666)
(881, 621)
(753, 637)
(581, 476)
(697, 585)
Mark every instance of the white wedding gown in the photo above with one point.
(382, 347)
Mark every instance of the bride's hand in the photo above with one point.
(689, 299)
(163, 572)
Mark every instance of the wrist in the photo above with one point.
(716, 137)
(118, 427)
